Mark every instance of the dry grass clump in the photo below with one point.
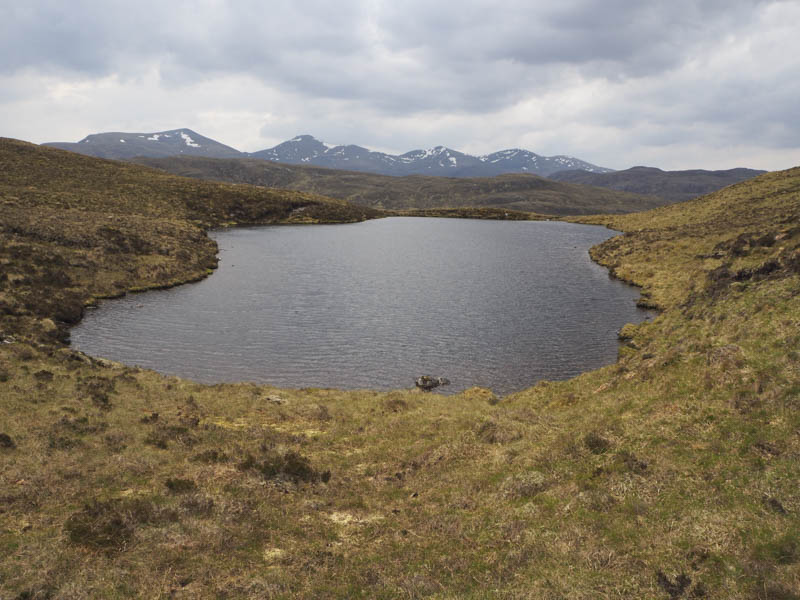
(177, 485)
(596, 443)
(110, 525)
(289, 465)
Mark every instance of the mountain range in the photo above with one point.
(348, 160)
(307, 150)
(438, 161)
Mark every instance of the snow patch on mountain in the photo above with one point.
(188, 140)
(438, 160)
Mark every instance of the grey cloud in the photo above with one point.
(77, 36)
(632, 38)
(470, 54)
(454, 69)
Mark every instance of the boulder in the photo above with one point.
(427, 383)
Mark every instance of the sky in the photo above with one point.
(711, 84)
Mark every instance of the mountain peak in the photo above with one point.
(172, 142)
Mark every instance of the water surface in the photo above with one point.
(376, 304)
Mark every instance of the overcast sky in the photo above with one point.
(682, 84)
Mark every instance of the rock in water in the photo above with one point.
(426, 383)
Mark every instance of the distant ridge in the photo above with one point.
(307, 150)
(439, 161)
(674, 186)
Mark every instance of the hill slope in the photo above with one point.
(145, 222)
(673, 186)
(670, 474)
(514, 192)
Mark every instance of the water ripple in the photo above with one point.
(374, 305)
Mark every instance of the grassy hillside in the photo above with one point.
(671, 186)
(34, 176)
(670, 474)
(527, 193)
(74, 227)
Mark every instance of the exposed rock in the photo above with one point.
(104, 363)
(275, 399)
(427, 383)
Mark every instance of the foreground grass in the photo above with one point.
(670, 474)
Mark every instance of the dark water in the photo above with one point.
(376, 304)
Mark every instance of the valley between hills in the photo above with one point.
(513, 191)
(669, 474)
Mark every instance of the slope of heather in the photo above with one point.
(672, 186)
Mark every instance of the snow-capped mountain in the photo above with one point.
(441, 161)
(525, 161)
(175, 142)
(307, 150)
